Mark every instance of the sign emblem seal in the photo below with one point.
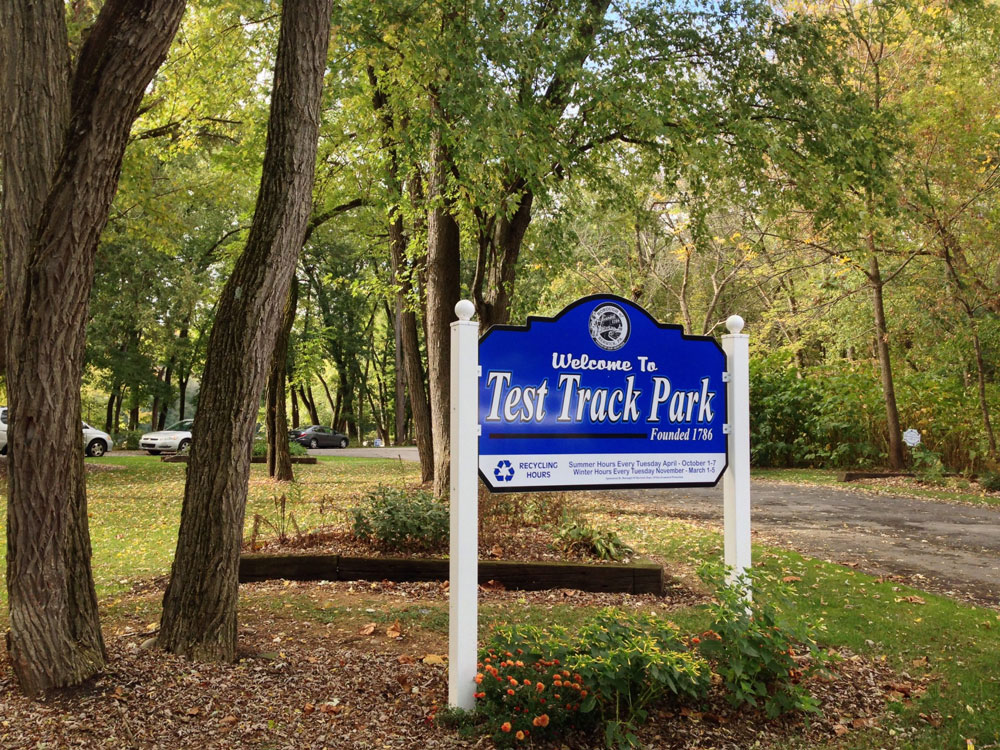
(609, 326)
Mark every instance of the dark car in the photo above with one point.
(317, 436)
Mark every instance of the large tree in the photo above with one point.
(199, 607)
(66, 125)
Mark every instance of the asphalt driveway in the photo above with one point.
(943, 547)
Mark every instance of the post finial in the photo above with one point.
(465, 309)
(734, 323)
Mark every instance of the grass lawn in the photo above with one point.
(947, 489)
(952, 647)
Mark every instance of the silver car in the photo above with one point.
(176, 437)
(95, 442)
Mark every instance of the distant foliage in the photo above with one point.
(398, 520)
(834, 417)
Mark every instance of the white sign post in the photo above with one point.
(463, 591)
(736, 480)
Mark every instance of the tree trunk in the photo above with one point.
(443, 290)
(412, 361)
(279, 458)
(295, 407)
(167, 377)
(64, 136)
(109, 424)
(199, 607)
(399, 402)
(885, 363)
(984, 405)
(307, 400)
(329, 399)
(118, 412)
(496, 264)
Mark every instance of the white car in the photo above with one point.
(176, 437)
(95, 442)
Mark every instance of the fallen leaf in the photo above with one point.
(395, 630)
(193, 711)
(433, 659)
(368, 629)
(228, 720)
(920, 662)
(404, 659)
(840, 730)
(492, 585)
(790, 579)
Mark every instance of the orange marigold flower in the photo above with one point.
(557, 696)
(527, 681)
(479, 695)
(696, 640)
(509, 691)
(519, 663)
(539, 687)
(479, 678)
(541, 721)
(512, 681)
(565, 673)
(557, 683)
(520, 651)
(583, 693)
(577, 678)
(519, 735)
(505, 727)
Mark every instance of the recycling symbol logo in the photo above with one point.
(504, 472)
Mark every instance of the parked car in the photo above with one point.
(95, 442)
(317, 436)
(176, 437)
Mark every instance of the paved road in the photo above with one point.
(405, 452)
(943, 547)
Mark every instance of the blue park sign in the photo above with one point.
(601, 396)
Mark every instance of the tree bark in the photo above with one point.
(279, 458)
(199, 607)
(295, 407)
(64, 137)
(885, 362)
(443, 290)
(496, 265)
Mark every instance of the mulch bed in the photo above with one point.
(534, 544)
(308, 685)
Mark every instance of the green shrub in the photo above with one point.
(580, 537)
(129, 440)
(633, 661)
(542, 684)
(400, 521)
(989, 481)
(260, 448)
(927, 464)
(754, 653)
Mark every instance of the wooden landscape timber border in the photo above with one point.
(253, 460)
(634, 578)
